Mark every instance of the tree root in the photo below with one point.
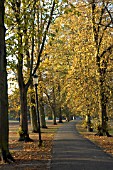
(60, 121)
(103, 134)
(44, 127)
(25, 138)
(108, 135)
(7, 158)
(35, 131)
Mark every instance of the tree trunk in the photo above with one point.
(33, 115)
(102, 63)
(60, 116)
(4, 123)
(54, 117)
(88, 123)
(102, 128)
(59, 96)
(54, 107)
(68, 118)
(23, 130)
(42, 113)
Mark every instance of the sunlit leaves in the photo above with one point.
(73, 50)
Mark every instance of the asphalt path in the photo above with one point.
(71, 151)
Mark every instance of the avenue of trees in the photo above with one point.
(70, 46)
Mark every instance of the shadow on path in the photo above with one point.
(73, 152)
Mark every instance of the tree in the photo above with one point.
(41, 101)
(56, 64)
(4, 126)
(28, 44)
(101, 28)
(33, 116)
(14, 105)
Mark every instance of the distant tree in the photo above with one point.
(14, 105)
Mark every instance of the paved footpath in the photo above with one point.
(73, 152)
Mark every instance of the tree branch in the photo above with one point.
(109, 14)
(44, 39)
(107, 50)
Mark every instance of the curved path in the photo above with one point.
(73, 152)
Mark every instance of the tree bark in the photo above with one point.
(4, 123)
(41, 105)
(33, 115)
(23, 129)
(54, 117)
(42, 113)
(101, 64)
(60, 111)
(60, 116)
(102, 128)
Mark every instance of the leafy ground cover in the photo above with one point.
(106, 143)
(29, 156)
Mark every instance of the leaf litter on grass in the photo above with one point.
(29, 156)
(106, 143)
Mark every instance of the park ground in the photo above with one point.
(29, 156)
